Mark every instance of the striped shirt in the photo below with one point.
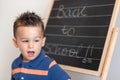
(41, 68)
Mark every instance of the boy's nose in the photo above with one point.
(30, 45)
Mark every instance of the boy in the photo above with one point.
(33, 64)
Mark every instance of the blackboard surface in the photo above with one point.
(76, 32)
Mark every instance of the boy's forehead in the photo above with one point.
(29, 30)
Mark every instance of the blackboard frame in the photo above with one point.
(108, 41)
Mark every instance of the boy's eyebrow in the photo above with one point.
(38, 37)
(28, 38)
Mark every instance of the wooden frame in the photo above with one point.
(112, 40)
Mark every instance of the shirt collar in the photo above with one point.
(34, 62)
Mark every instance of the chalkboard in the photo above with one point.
(76, 32)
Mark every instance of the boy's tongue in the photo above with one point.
(31, 53)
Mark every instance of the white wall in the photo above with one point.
(9, 9)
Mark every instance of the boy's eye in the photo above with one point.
(37, 40)
(24, 40)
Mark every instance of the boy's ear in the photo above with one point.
(43, 41)
(15, 42)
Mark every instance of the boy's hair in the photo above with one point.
(28, 19)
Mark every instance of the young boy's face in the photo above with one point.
(29, 40)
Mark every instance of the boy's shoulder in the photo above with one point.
(16, 62)
(48, 62)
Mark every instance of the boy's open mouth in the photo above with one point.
(31, 53)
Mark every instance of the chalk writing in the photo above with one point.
(68, 31)
(70, 51)
(85, 60)
(71, 12)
